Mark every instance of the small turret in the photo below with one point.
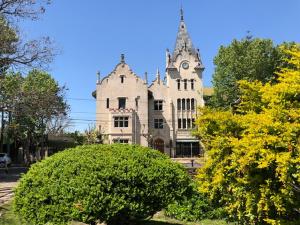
(146, 78)
(158, 76)
(98, 77)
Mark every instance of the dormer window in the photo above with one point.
(122, 78)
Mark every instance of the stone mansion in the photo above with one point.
(160, 114)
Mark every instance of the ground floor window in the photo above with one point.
(187, 149)
(122, 141)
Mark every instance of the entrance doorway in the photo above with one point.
(159, 144)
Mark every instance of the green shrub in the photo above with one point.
(107, 183)
(194, 207)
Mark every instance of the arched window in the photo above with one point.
(192, 104)
(122, 78)
(188, 106)
(185, 84)
(178, 104)
(192, 84)
(183, 104)
(178, 84)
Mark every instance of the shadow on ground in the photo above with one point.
(12, 175)
(159, 223)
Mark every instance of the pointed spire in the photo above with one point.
(183, 40)
(181, 13)
(146, 78)
(157, 76)
(98, 77)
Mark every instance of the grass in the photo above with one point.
(7, 217)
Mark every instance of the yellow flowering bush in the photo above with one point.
(253, 150)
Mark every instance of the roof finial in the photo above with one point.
(122, 58)
(181, 13)
(146, 78)
(98, 77)
(158, 75)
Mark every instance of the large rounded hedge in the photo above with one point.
(116, 184)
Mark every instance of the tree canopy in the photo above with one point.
(253, 166)
(14, 51)
(247, 59)
(31, 102)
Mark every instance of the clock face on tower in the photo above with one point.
(185, 65)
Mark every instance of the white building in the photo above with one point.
(160, 115)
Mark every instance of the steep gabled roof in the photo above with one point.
(183, 40)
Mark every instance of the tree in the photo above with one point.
(248, 59)
(253, 166)
(22, 8)
(33, 102)
(13, 51)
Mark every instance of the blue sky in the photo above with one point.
(92, 34)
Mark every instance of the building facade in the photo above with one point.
(161, 114)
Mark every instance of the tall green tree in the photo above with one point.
(247, 59)
(253, 166)
(32, 102)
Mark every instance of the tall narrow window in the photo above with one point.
(192, 104)
(188, 123)
(158, 123)
(188, 106)
(122, 103)
(179, 123)
(185, 84)
(183, 104)
(158, 105)
(122, 78)
(178, 84)
(193, 122)
(184, 123)
(192, 84)
(178, 104)
(107, 103)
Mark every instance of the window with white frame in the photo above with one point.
(121, 121)
(122, 141)
(158, 123)
(158, 105)
(122, 103)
